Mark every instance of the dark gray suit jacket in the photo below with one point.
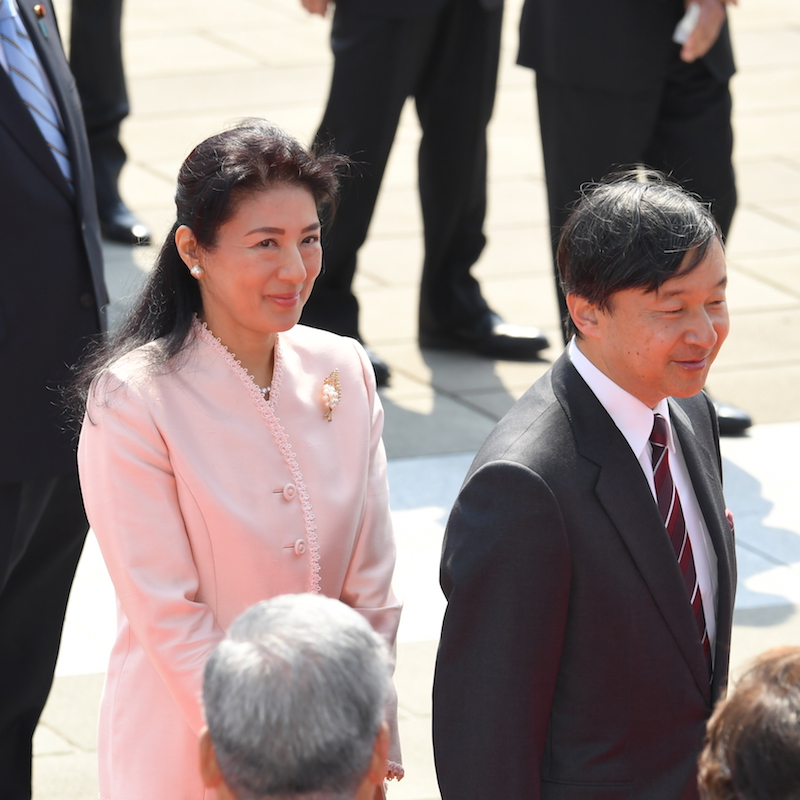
(51, 271)
(569, 664)
(406, 9)
(619, 45)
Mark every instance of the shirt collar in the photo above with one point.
(633, 417)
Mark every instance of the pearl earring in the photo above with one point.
(196, 270)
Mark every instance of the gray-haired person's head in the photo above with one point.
(294, 699)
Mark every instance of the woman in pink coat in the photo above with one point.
(228, 454)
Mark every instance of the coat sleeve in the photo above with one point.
(131, 500)
(506, 574)
(368, 583)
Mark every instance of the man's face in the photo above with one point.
(661, 344)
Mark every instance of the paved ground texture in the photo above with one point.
(196, 65)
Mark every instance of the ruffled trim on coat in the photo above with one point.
(267, 409)
(394, 771)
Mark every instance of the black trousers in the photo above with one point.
(682, 127)
(96, 62)
(42, 530)
(448, 62)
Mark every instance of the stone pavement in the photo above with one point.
(195, 65)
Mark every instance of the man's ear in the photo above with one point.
(379, 762)
(186, 244)
(209, 768)
(585, 315)
(371, 786)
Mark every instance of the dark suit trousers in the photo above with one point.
(96, 63)
(448, 62)
(682, 127)
(42, 530)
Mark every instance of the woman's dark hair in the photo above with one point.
(752, 748)
(219, 172)
(631, 231)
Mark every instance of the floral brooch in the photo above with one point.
(331, 394)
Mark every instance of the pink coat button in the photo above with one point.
(300, 547)
(289, 491)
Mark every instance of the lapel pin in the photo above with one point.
(41, 13)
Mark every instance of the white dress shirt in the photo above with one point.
(635, 421)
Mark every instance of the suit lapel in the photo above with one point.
(704, 468)
(623, 491)
(19, 123)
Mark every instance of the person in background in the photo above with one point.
(444, 53)
(294, 704)
(588, 562)
(95, 59)
(52, 298)
(228, 454)
(752, 748)
(616, 86)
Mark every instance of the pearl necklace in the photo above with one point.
(265, 391)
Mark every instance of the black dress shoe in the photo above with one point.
(490, 337)
(732, 421)
(382, 371)
(119, 225)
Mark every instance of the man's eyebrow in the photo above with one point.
(677, 292)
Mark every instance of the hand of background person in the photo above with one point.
(316, 6)
(702, 38)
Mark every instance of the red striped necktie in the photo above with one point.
(669, 504)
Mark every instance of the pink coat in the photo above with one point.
(205, 498)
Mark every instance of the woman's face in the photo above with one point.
(258, 276)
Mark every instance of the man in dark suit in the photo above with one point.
(444, 53)
(588, 562)
(614, 89)
(95, 59)
(51, 295)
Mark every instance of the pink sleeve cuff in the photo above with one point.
(394, 771)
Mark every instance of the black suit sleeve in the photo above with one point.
(506, 574)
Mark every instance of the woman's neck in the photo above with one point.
(253, 350)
